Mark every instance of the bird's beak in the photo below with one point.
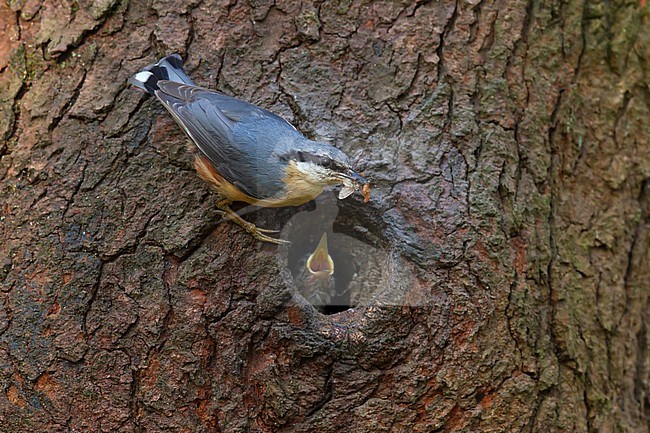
(356, 177)
(320, 260)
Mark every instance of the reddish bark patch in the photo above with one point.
(296, 316)
(198, 296)
(150, 375)
(485, 397)
(13, 395)
(54, 309)
(48, 386)
(9, 31)
(520, 258)
(67, 277)
(456, 419)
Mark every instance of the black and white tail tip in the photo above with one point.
(169, 68)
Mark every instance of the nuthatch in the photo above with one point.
(245, 152)
(315, 277)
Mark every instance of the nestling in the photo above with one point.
(245, 152)
(315, 278)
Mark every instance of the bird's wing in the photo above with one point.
(236, 109)
(208, 118)
(233, 108)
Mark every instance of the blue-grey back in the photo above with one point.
(261, 143)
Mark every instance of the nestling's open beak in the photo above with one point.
(320, 260)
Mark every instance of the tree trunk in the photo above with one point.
(498, 278)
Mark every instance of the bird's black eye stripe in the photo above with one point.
(336, 166)
(322, 160)
(314, 158)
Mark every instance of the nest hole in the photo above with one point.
(304, 244)
(356, 243)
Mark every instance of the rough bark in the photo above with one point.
(508, 143)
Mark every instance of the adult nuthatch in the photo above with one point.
(247, 153)
(315, 277)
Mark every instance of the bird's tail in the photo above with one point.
(169, 68)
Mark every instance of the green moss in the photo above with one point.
(102, 8)
(16, 5)
(343, 7)
(17, 62)
(601, 401)
(89, 392)
(34, 63)
(92, 50)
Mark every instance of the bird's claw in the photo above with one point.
(262, 237)
(253, 227)
(258, 233)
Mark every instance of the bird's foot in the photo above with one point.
(250, 228)
(262, 237)
(257, 232)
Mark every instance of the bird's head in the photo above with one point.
(322, 164)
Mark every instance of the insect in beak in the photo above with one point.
(351, 181)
